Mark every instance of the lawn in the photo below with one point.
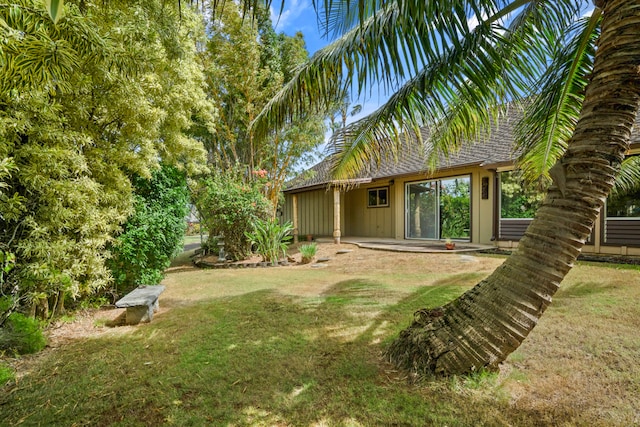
(301, 346)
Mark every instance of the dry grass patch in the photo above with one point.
(581, 360)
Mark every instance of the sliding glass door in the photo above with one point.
(438, 209)
(422, 210)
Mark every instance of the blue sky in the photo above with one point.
(299, 15)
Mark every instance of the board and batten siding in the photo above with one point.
(363, 221)
(315, 212)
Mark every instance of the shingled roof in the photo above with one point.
(495, 150)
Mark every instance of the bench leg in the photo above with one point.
(139, 313)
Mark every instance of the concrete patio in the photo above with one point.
(405, 245)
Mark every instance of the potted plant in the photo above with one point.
(449, 244)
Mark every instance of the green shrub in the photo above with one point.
(229, 205)
(271, 239)
(22, 335)
(6, 374)
(308, 252)
(153, 234)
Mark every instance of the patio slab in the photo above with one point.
(425, 246)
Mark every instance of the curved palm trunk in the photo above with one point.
(482, 327)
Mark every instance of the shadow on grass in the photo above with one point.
(256, 359)
(583, 289)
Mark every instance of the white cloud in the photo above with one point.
(293, 10)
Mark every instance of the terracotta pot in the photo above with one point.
(450, 246)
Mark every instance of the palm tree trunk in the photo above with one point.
(483, 326)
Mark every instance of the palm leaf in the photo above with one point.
(315, 85)
(552, 115)
(455, 73)
(458, 96)
(628, 180)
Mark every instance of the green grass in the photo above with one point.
(194, 239)
(253, 347)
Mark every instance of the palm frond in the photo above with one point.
(422, 101)
(316, 84)
(387, 49)
(336, 18)
(629, 178)
(459, 96)
(458, 62)
(498, 76)
(552, 115)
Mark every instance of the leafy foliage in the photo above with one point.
(55, 9)
(453, 71)
(22, 335)
(86, 104)
(153, 234)
(6, 374)
(242, 87)
(455, 211)
(229, 204)
(628, 180)
(270, 239)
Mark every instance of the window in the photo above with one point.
(624, 205)
(516, 200)
(438, 209)
(378, 197)
(622, 219)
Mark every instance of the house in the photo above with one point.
(472, 197)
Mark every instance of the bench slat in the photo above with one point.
(142, 295)
(140, 304)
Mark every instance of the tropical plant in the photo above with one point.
(271, 239)
(454, 208)
(241, 89)
(517, 199)
(308, 251)
(229, 204)
(461, 64)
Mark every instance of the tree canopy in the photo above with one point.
(94, 98)
(86, 104)
(247, 63)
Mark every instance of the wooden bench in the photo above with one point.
(141, 303)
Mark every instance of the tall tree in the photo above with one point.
(247, 64)
(462, 62)
(86, 103)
